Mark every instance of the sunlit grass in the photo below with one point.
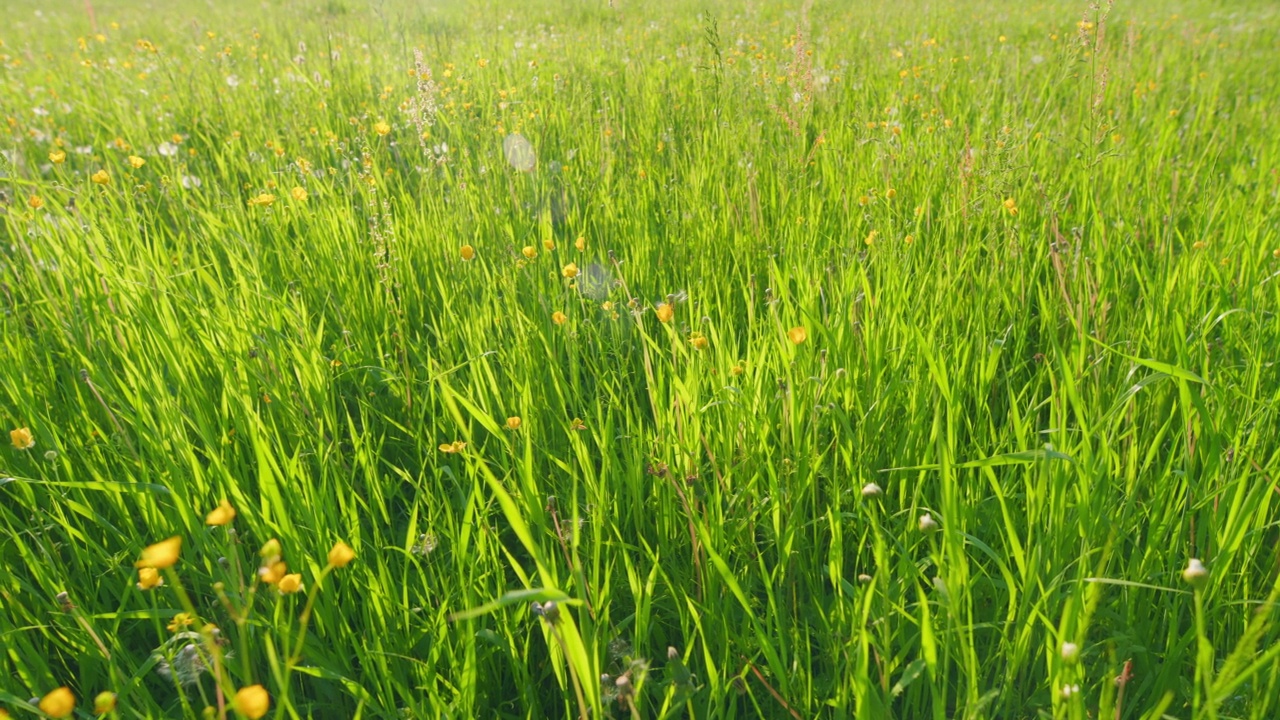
(640, 359)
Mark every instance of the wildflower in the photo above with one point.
(273, 571)
(927, 523)
(559, 318)
(221, 515)
(149, 578)
(549, 244)
(167, 149)
(871, 237)
(1200, 244)
(698, 340)
(737, 369)
(299, 194)
(270, 550)
(580, 244)
(341, 554)
(482, 62)
(136, 162)
(180, 621)
(290, 584)
(104, 703)
(101, 177)
(891, 193)
(1196, 574)
(513, 422)
(456, 446)
(577, 424)
(161, 555)
(665, 312)
(1070, 652)
(797, 335)
(1011, 206)
(35, 202)
(57, 157)
(58, 704)
(570, 271)
(529, 251)
(252, 702)
(908, 239)
(381, 127)
(871, 490)
(263, 200)
(468, 252)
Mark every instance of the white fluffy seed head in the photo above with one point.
(927, 523)
(1070, 651)
(871, 490)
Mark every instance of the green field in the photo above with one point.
(655, 359)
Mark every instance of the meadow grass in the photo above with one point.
(656, 360)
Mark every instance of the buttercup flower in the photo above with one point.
(149, 578)
(570, 271)
(299, 194)
(253, 702)
(58, 704)
(273, 572)
(381, 127)
(57, 157)
(161, 555)
(513, 422)
(529, 251)
(263, 200)
(290, 584)
(221, 515)
(797, 335)
(559, 318)
(101, 177)
(665, 312)
(341, 554)
(580, 243)
(136, 162)
(456, 446)
(35, 202)
(468, 252)
(22, 439)
(181, 621)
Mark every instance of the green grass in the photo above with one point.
(1070, 366)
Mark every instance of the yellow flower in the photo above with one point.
(58, 704)
(698, 340)
(36, 202)
(1011, 206)
(891, 193)
(101, 177)
(221, 515)
(104, 703)
(908, 239)
(577, 424)
(580, 243)
(468, 252)
(482, 62)
(272, 571)
(1276, 253)
(513, 422)
(57, 157)
(299, 194)
(798, 334)
(665, 312)
(341, 554)
(270, 550)
(136, 162)
(381, 127)
(263, 200)
(180, 621)
(1200, 244)
(737, 369)
(871, 237)
(161, 555)
(290, 584)
(559, 318)
(253, 702)
(149, 578)
(570, 271)
(529, 251)
(549, 244)
(456, 446)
